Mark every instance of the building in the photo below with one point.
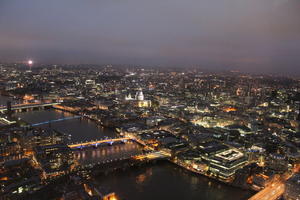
(139, 100)
(223, 161)
(139, 95)
(90, 82)
(55, 159)
(292, 188)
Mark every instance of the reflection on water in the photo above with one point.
(100, 154)
(162, 181)
(141, 178)
(80, 129)
(166, 181)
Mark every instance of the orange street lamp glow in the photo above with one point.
(230, 109)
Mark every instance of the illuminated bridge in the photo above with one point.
(55, 120)
(120, 153)
(275, 190)
(28, 106)
(153, 155)
(272, 192)
(98, 142)
(139, 158)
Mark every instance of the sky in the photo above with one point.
(247, 35)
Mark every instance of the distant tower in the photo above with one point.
(139, 95)
(249, 90)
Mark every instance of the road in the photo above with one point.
(272, 192)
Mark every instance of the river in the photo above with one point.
(165, 181)
(160, 181)
(80, 130)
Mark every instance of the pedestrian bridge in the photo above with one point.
(55, 120)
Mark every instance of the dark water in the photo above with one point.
(164, 181)
(81, 130)
(108, 153)
(160, 181)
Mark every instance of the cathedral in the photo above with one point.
(139, 99)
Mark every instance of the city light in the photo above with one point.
(207, 130)
(150, 100)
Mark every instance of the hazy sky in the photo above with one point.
(249, 35)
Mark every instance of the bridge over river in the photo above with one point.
(27, 106)
(113, 150)
(56, 120)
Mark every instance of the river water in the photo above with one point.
(160, 181)
(80, 130)
(165, 181)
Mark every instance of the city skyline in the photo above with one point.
(150, 100)
(72, 131)
(229, 35)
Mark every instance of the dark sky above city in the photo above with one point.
(248, 35)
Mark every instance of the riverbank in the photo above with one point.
(164, 180)
(81, 130)
(204, 174)
(142, 181)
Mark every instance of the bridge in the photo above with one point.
(115, 156)
(156, 155)
(152, 156)
(125, 161)
(272, 192)
(112, 165)
(98, 142)
(20, 107)
(55, 120)
(275, 190)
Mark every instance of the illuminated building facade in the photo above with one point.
(223, 161)
(139, 100)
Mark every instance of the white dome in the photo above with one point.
(139, 95)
